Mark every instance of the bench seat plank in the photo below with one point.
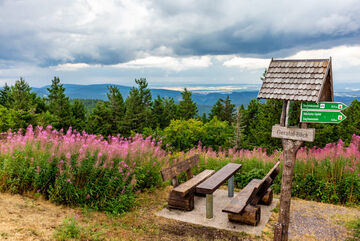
(239, 202)
(179, 167)
(212, 183)
(187, 186)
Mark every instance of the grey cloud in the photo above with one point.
(47, 33)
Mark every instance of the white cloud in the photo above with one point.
(247, 63)
(342, 56)
(167, 62)
(72, 67)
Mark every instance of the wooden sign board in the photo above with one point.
(293, 133)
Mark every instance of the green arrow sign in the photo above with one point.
(323, 106)
(318, 116)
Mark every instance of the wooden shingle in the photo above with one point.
(307, 80)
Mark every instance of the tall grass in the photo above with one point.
(78, 168)
(330, 174)
(81, 169)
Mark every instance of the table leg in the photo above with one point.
(209, 206)
(231, 187)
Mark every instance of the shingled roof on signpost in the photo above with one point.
(308, 80)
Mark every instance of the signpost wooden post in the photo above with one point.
(310, 82)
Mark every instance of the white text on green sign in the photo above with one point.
(318, 116)
(323, 106)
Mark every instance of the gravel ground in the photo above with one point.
(318, 221)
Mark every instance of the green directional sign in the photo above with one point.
(323, 106)
(318, 116)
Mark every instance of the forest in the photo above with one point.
(177, 125)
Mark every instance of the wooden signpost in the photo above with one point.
(310, 82)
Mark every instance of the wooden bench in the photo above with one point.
(182, 196)
(209, 186)
(243, 207)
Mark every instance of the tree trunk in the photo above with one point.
(290, 150)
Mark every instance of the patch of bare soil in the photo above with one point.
(181, 230)
(318, 221)
(24, 218)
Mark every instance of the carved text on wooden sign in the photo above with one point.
(293, 133)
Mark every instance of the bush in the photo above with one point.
(184, 134)
(217, 134)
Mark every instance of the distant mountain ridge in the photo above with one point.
(204, 101)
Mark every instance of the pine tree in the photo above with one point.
(5, 96)
(158, 113)
(170, 110)
(78, 115)
(117, 107)
(204, 119)
(138, 111)
(217, 109)
(22, 98)
(59, 105)
(187, 107)
(229, 109)
(100, 119)
(23, 103)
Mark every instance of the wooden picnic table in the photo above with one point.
(210, 185)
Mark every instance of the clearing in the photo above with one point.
(28, 218)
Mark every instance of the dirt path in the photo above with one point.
(24, 218)
(319, 221)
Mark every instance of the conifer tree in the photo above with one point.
(59, 105)
(100, 119)
(138, 111)
(5, 96)
(187, 107)
(22, 98)
(78, 115)
(117, 108)
(229, 109)
(217, 109)
(24, 104)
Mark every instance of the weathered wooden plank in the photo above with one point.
(293, 133)
(186, 187)
(216, 180)
(250, 215)
(179, 167)
(273, 172)
(239, 202)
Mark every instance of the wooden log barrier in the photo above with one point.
(267, 198)
(179, 202)
(250, 215)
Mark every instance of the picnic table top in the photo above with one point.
(215, 181)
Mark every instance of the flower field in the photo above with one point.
(79, 169)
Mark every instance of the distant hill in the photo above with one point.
(204, 101)
(98, 91)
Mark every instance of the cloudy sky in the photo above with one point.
(172, 43)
